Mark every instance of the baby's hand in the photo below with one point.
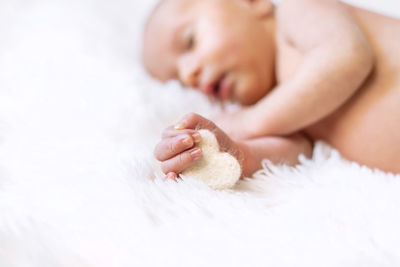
(235, 123)
(177, 150)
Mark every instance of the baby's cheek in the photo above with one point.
(222, 49)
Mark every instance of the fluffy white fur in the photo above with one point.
(79, 186)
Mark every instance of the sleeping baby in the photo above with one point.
(304, 70)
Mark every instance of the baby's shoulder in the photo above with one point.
(292, 9)
(307, 11)
(296, 18)
(303, 8)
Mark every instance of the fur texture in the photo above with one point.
(79, 185)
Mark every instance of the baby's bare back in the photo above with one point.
(367, 128)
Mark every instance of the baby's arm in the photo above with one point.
(279, 150)
(336, 61)
(177, 150)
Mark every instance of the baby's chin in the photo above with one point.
(249, 95)
(248, 102)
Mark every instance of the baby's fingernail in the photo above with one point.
(187, 141)
(197, 137)
(170, 175)
(180, 126)
(196, 154)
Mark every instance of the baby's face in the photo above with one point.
(224, 48)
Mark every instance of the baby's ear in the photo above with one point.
(260, 8)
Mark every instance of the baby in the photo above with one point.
(304, 70)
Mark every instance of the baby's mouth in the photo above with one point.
(217, 87)
(223, 87)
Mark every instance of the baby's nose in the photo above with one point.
(189, 73)
(190, 79)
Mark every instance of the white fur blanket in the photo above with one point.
(78, 184)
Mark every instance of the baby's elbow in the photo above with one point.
(367, 59)
(362, 59)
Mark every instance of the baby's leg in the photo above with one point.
(280, 150)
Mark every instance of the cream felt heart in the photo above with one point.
(219, 170)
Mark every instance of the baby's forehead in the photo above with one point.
(166, 16)
(162, 17)
(170, 7)
(157, 35)
(161, 31)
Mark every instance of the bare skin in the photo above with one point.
(320, 85)
(366, 129)
(177, 149)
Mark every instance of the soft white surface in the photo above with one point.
(78, 122)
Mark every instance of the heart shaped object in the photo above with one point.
(219, 170)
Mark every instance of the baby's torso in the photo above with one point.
(367, 128)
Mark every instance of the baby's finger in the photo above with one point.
(171, 132)
(171, 176)
(194, 121)
(182, 161)
(170, 147)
